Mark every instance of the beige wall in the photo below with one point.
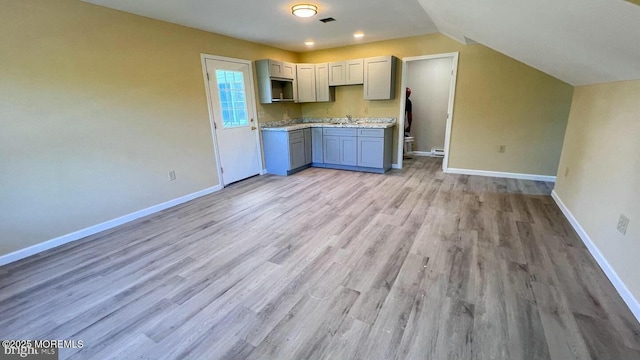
(602, 152)
(96, 106)
(499, 101)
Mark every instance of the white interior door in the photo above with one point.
(231, 92)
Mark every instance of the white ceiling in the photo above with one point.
(578, 41)
(271, 22)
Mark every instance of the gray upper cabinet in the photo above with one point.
(276, 81)
(336, 73)
(306, 75)
(281, 69)
(323, 92)
(354, 72)
(379, 78)
(350, 72)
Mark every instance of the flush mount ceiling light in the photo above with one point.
(358, 35)
(304, 10)
(309, 43)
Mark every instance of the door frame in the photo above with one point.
(452, 96)
(250, 102)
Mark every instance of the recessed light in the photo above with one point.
(358, 35)
(304, 10)
(309, 43)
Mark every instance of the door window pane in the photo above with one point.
(232, 99)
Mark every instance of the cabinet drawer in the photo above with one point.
(340, 131)
(295, 135)
(371, 132)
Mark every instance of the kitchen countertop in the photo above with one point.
(292, 127)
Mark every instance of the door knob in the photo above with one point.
(253, 128)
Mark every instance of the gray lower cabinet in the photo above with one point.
(307, 146)
(317, 158)
(286, 152)
(361, 149)
(340, 146)
(374, 148)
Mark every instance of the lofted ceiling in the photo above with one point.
(577, 41)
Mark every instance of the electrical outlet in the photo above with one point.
(622, 224)
(566, 171)
(366, 110)
(260, 114)
(172, 175)
(503, 148)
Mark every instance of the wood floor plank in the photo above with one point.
(330, 264)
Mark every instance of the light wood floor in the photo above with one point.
(325, 264)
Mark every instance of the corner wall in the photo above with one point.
(96, 107)
(602, 154)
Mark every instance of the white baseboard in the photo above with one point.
(77, 235)
(396, 166)
(623, 290)
(501, 174)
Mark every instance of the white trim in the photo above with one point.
(252, 101)
(396, 166)
(623, 290)
(452, 97)
(91, 230)
(501, 174)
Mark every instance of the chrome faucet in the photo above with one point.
(349, 118)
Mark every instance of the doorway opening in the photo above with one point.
(432, 80)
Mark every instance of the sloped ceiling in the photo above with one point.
(578, 41)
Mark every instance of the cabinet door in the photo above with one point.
(306, 76)
(316, 146)
(288, 70)
(296, 153)
(379, 78)
(348, 150)
(371, 152)
(307, 146)
(275, 68)
(322, 83)
(336, 73)
(331, 149)
(354, 73)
